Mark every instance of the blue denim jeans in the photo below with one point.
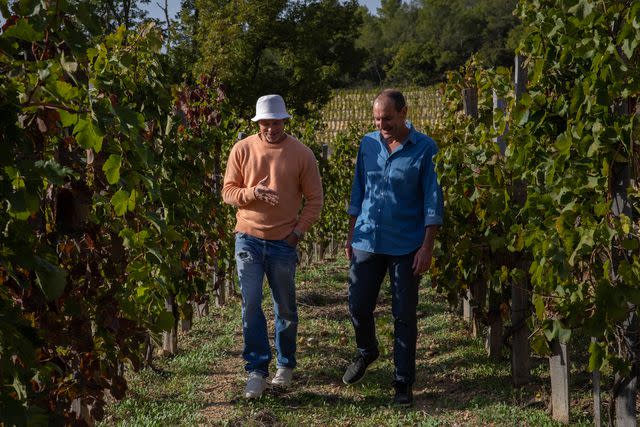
(276, 259)
(366, 274)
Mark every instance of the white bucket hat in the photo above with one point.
(270, 107)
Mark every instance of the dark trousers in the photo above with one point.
(366, 274)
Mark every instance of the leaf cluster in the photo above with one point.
(108, 206)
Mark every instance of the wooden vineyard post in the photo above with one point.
(493, 343)
(500, 104)
(470, 107)
(202, 308)
(625, 388)
(148, 350)
(479, 295)
(559, 373)
(219, 286)
(470, 101)
(520, 298)
(170, 338)
(186, 322)
(230, 279)
(595, 378)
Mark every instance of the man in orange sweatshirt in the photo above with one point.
(267, 176)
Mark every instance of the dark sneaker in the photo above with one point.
(355, 372)
(404, 395)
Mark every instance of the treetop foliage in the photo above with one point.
(417, 42)
(259, 47)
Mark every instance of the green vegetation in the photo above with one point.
(416, 43)
(278, 46)
(112, 152)
(456, 382)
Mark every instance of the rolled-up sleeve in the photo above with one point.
(433, 200)
(357, 187)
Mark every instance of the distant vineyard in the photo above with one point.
(354, 107)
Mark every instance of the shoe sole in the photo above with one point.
(251, 396)
(363, 375)
(403, 405)
(354, 382)
(359, 379)
(281, 385)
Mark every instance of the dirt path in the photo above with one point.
(224, 386)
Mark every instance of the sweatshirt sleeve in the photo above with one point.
(234, 191)
(312, 191)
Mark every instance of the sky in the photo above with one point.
(156, 12)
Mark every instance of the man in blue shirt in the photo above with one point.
(395, 211)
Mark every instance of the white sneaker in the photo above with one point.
(282, 377)
(256, 384)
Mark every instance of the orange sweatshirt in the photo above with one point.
(293, 172)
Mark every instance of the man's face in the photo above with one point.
(271, 130)
(389, 121)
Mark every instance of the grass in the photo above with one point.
(457, 384)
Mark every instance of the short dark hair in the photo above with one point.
(395, 95)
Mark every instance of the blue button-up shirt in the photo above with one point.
(394, 196)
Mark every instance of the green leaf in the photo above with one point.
(131, 203)
(88, 135)
(165, 321)
(540, 345)
(593, 148)
(4, 8)
(120, 200)
(521, 115)
(596, 356)
(129, 118)
(538, 303)
(156, 254)
(50, 279)
(601, 209)
(69, 66)
(564, 334)
(63, 90)
(22, 204)
(22, 30)
(111, 168)
(54, 171)
(68, 119)
(563, 143)
(630, 244)
(538, 67)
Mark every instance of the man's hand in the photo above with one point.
(348, 250)
(264, 193)
(422, 261)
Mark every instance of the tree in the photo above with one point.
(384, 35)
(417, 42)
(114, 13)
(279, 46)
(455, 29)
(182, 47)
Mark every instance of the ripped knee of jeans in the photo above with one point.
(243, 256)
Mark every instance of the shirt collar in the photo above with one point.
(411, 137)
